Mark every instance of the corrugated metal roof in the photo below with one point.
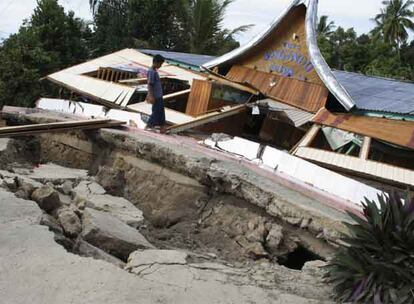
(184, 58)
(378, 94)
(297, 116)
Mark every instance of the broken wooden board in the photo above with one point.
(32, 129)
(397, 132)
(208, 118)
(171, 116)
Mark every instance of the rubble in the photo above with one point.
(70, 222)
(110, 234)
(85, 249)
(47, 198)
(117, 207)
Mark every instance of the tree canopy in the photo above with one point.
(382, 52)
(52, 39)
(49, 40)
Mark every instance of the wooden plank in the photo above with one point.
(33, 131)
(199, 98)
(364, 153)
(396, 132)
(308, 138)
(235, 85)
(202, 120)
(304, 95)
(99, 73)
(176, 94)
(55, 125)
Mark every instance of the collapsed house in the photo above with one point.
(275, 94)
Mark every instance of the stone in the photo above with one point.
(315, 268)
(22, 194)
(87, 250)
(4, 142)
(118, 207)
(47, 198)
(85, 189)
(70, 222)
(141, 259)
(65, 199)
(52, 223)
(112, 180)
(275, 238)
(10, 183)
(62, 240)
(257, 233)
(57, 174)
(66, 187)
(27, 184)
(111, 235)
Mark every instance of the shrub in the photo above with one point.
(376, 262)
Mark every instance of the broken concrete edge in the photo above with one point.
(30, 253)
(322, 218)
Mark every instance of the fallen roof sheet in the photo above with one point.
(193, 60)
(279, 161)
(396, 132)
(368, 168)
(378, 94)
(109, 93)
(90, 111)
(297, 116)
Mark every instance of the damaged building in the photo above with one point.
(278, 101)
(245, 198)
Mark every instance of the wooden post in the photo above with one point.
(366, 146)
(307, 139)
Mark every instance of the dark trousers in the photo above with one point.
(157, 117)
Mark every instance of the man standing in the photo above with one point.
(155, 95)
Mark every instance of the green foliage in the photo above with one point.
(345, 50)
(50, 40)
(206, 30)
(377, 264)
(184, 25)
(394, 20)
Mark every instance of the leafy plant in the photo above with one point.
(377, 263)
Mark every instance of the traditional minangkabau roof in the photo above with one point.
(316, 58)
(376, 94)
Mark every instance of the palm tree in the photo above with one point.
(93, 4)
(394, 20)
(206, 25)
(324, 28)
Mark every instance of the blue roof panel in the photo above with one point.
(185, 58)
(378, 94)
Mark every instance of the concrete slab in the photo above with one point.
(57, 174)
(34, 269)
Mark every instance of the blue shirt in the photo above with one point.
(155, 82)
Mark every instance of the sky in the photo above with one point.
(346, 13)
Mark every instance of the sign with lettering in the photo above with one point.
(281, 61)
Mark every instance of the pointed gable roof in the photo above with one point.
(319, 64)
